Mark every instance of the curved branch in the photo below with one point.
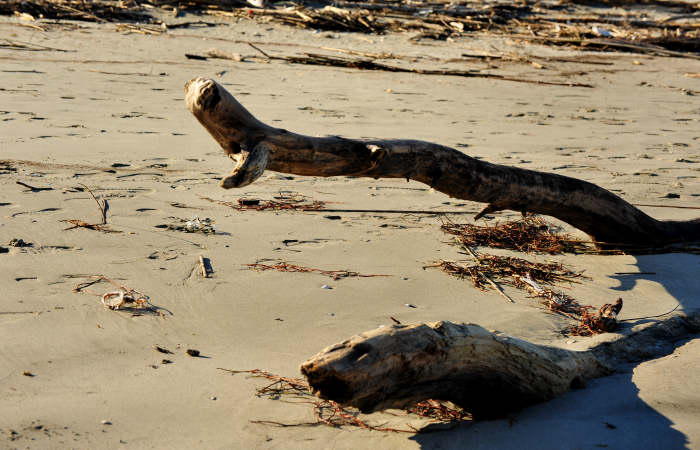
(256, 147)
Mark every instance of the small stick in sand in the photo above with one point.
(102, 206)
(486, 277)
(33, 188)
(203, 266)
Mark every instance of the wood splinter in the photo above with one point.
(203, 266)
(256, 147)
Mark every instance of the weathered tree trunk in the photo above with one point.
(256, 147)
(489, 374)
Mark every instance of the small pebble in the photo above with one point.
(27, 373)
(410, 305)
(192, 352)
(325, 286)
(106, 422)
(212, 398)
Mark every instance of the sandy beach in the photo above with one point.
(101, 107)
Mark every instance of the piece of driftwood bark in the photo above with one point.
(256, 147)
(488, 374)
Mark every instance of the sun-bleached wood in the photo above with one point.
(256, 147)
(488, 373)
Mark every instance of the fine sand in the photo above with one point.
(108, 113)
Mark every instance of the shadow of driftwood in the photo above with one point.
(606, 414)
(677, 273)
(609, 412)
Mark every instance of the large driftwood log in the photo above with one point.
(489, 374)
(256, 147)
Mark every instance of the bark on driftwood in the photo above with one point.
(256, 147)
(488, 374)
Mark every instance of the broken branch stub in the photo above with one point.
(256, 147)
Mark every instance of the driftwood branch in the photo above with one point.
(489, 374)
(256, 147)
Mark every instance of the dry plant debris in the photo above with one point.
(123, 298)
(89, 11)
(604, 320)
(287, 267)
(77, 223)
(34, 188)
(653, 27)
(282, 202)
(330, 413)
(507, 268)
(489, 270)
(103, 207)
(527, 275)
(529, 234)
(315, 59)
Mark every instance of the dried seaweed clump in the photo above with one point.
(605, 320)
(529, 234)
(283, 201)
(287, 267)
(330, 413)
(508, 269)
(488, 270)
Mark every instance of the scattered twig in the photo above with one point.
(103, 207)
(635, 273)
(202, 266)
(33, 188)
(485, 275)
(77, 223)
(287, 267)
(283, 201)
(28, 46)
(654, 316)
(368, 64)
(667, 206)
(330, 413)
